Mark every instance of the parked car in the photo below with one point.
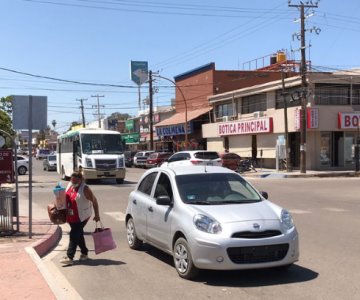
(129, 158)
(157, 158)
(230, 160)
(141, 157)
(209, 218)
(49, 163)
(194, 157)
(22, 164)
(42, 153)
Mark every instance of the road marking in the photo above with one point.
(299, 211)
(118, 216)
(334, 209)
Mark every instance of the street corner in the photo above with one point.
(50, 236)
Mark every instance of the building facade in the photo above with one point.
(251, 121)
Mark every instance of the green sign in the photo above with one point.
(131, 138)
(129, 125)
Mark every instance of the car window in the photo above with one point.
(206, 155)
(163, 187)
(215, 189)
(176, 157)
(153, 155)
(147, 183)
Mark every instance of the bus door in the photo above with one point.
(76, 155)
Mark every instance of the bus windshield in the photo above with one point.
(101, 144)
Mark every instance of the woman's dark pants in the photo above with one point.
(77, 239)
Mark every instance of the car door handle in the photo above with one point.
(134, 201)
(150, 208)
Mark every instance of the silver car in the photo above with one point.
(209, 217)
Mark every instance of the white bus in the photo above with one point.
(96, 153)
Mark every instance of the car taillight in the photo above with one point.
(196, 162)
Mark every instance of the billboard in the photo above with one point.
(139, 71)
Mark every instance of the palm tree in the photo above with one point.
(53, 123)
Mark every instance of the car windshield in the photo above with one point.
(215, 189)
(101, 144)
(51, 157)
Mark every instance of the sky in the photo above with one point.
(93, 41)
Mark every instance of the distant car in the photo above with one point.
(209, 218)
(22, 164)
(194, 157)
(49, 163)
(230, 160)
(157, 158)
(129, 158)
(42, 153)
(141, 157)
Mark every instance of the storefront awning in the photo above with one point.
(179, 118)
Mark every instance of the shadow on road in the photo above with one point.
(242, 278)
(100, 262)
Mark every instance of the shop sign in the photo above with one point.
(178, 129)
(264, 125)
(129, 125)
(6, 166)
(131, 138)
(297, 119)
(312, 118)
(349, 120)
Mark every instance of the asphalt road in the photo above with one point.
(326, 212)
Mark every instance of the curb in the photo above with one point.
(48, 241)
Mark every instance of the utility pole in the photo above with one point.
(287, 149)
(151, 111)
(303, 71)
(98, 107)
(82, 111)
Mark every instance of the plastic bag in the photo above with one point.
(60, 196)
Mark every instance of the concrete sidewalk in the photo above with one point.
(23, 274)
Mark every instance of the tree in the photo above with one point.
(6, 104)
(6, 125)
(119, 116)
(53, 123)
(74, 124)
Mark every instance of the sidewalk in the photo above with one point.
(23, 274)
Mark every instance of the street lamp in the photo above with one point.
(186, 117)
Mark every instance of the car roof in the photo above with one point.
(186, 170)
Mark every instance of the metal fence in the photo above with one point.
(6, 210)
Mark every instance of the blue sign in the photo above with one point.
(139, 71)
(178, 129)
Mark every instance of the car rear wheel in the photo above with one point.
(183, 261)
(22, 170)
(132, 239)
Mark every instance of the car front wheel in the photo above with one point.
(183, 261)
(22, 170)
(132, 239)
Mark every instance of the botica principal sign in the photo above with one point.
(262, 125)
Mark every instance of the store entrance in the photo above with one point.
(294, 145)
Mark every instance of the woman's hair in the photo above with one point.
(77, 175)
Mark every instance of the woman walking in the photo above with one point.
(79, 202)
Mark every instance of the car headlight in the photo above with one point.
(206, 224)
(121, 162)
(89, 163)
(287, 219)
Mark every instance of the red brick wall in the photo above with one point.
(198, 87)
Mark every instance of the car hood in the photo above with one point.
(238, 212)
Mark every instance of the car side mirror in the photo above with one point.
(264, 194)
(164, 200)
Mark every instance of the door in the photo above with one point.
(159, 216)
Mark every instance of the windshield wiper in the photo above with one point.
(199, 202)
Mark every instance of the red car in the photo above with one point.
(156, 159)
(230, 160)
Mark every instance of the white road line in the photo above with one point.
(118, 216)
(334, 209)
(299, 211)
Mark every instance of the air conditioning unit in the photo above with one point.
(258, 114)
(225, 118)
